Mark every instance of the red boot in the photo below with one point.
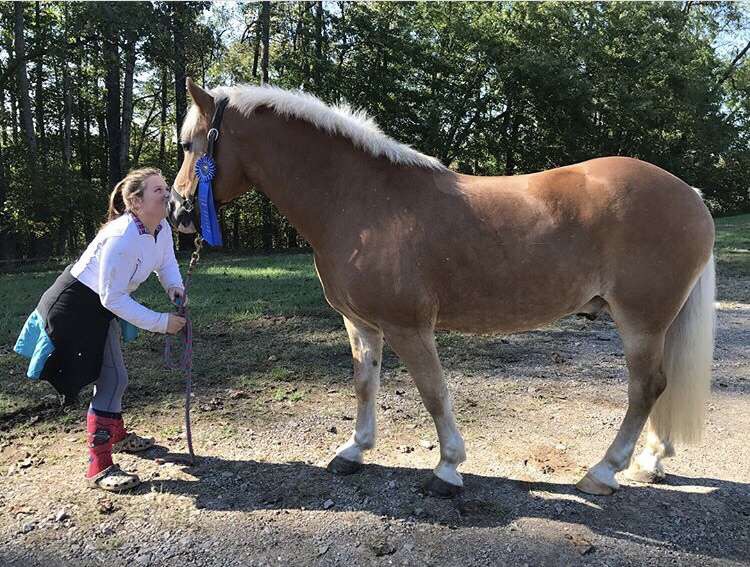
(102, 473)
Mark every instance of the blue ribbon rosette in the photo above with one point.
(205, 169)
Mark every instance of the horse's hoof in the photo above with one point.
(591, 485)
(342, 466)
(438, 487)
(637, 474)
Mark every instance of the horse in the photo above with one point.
(404, 246)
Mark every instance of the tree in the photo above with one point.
(110, 37)
(488, 88)
(23, 82)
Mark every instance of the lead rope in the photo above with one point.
(185, 362)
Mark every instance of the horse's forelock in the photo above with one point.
(190, 124)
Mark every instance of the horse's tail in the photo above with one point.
(679, 413)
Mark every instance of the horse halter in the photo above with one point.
(189, 208)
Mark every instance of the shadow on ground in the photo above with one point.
(662, 515)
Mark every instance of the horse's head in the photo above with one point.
(229, 181)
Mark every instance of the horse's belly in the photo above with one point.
(498, 321)
(504, 308)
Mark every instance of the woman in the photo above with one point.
(73, 336)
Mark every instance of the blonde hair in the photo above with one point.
(132, 185)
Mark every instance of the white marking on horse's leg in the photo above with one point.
(452, 449)
(648, 466)
(644, 356)
(367, 349)
(417, 349)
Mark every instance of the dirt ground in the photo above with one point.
(535, 409)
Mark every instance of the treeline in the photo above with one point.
(90, 90)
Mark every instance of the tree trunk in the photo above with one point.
(163, 129)
(266, 215)
(112, 85)
(222, 217)
(57, 112)
(89, 230)
(5, 253)
(3, 119)
(39, 96)
(180, 94)
(319, 38)
(84, 129)
(510, 158)
(265, 203)
(507, 120)
(13, 119)
(67, 96)
(236, 227)
(184, 241)
(256, 47)
(68, 112)
(143, 133)
(13, 116)
(87, 169)
(291, 237)
(127, 103)
(265, 22)
(7, 233)
(101, 124)
(65, 221)
(4, 228)
(62, 236)
(23, 82)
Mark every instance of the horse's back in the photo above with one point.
(620, 195)
(544, 244)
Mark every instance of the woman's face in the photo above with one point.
(153, 203)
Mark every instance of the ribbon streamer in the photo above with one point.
(205, 169)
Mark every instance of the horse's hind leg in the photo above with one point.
(367, 350)
(416, 347)
(647, 467)
(644, 354)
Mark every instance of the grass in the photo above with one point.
(229, 294)
(733, 245)
(226, 289)
(261, 323)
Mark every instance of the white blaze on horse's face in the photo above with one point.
(193, 142)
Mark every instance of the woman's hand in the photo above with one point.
(175, 324)
(177, 296)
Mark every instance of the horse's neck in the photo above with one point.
(309, 176)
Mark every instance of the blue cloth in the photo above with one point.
(35, 344)
(129, 331)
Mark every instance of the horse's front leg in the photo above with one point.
(367, 350)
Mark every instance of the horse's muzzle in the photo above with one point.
(181, 213)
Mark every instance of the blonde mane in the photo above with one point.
(340, 120)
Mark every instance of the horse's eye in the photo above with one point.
(186, 146)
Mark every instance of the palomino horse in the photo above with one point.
(404, 246)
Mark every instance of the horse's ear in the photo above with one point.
(200, 97)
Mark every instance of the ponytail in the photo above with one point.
(132, 185)
(116, 202)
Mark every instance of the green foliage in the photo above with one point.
(503, 88)
(488, 88)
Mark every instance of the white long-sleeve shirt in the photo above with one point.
(121, 258)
